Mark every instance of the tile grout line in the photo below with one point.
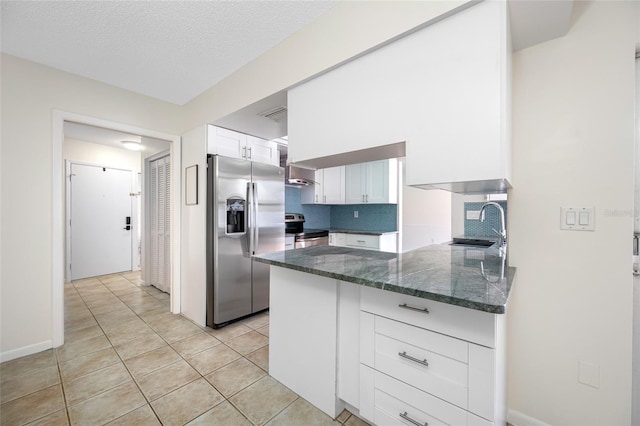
(179, 354)
(117, 354)
(181, 357)
(133, 379)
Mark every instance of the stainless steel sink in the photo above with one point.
(471, 242)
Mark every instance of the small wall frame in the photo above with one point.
(191, 185)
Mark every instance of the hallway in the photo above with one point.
(128, 360)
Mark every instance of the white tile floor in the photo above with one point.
(128, 360)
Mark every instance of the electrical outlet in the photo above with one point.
(473, 214)
(355, 214)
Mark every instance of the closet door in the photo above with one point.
(160, 218)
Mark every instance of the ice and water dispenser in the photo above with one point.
(235, 215)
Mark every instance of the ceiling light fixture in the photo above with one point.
(132, 145)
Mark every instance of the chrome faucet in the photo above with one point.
(503, 228)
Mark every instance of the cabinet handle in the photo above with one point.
(405, 306)
(249, 151)
(366, 198)
(360, 241)
(244, 152)
(410, 358)
(409, 419)
(316, 198)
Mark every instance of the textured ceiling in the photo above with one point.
(170, 50)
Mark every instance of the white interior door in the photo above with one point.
(100, 204)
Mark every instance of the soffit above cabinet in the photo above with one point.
(537, 21)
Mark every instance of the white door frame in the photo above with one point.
(57, 201)
(67, 224)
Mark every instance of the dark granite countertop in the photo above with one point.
(474, 278)
(354, 231)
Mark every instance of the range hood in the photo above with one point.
(299, 176)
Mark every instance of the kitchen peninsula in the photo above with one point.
(393, 336)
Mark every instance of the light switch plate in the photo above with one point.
(578, 218)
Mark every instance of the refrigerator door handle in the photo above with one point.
(255, 219)
(250, 218)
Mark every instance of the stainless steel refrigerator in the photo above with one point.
(245, 216)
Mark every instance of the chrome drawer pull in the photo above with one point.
(409, 357)
(405, 306)
(409, 419)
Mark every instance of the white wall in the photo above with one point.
(30, 93)
(92, 153)
(426, 216)
(346, 30)
(457, 211)
(573, 146)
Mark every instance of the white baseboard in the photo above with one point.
(517, 418)
(26, 350)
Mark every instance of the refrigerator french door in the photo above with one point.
(245, 216)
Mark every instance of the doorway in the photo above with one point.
(100, 220)
(58, 209)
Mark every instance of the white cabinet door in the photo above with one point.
(334, 185)
(375, 182)
(238, 145)
(329, 187)
(226, 142)
(262, 151)
(355, 183)
(337, 239)
(318, 188)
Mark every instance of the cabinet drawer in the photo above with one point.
(428, 371)
(462, 323)
(449, 347)
(363, 241)
(393, 398)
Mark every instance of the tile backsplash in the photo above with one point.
(475, 228)
(371, 217)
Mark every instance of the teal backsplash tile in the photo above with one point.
(316, 216)
(475, 228)
(371, 217)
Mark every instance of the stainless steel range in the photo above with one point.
(294, 225)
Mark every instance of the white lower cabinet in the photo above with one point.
(421, 357)
(384, 242)
(302, 335)
(383, 355)
(389, 401)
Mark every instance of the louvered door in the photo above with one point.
(160, 218)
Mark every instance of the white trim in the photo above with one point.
(25, 350)
(57, 216)
(67, 223)
(517, 418)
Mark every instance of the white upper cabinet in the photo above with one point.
(328, 189)
(375, 182)
(444, 90)
(238, 145)
(334, 185)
